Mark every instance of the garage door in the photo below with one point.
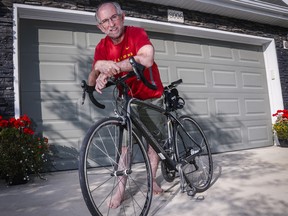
(224, 86)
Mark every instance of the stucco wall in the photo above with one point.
(135, 9)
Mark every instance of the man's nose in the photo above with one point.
(111, 22)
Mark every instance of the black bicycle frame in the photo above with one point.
(147, 134)
(172, 165)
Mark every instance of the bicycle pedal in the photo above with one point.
(191, 192)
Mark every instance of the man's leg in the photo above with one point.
(154, 161)
(118, 196)
(119, 190)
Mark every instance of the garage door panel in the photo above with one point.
(56, 37)
(193, 76)
(60, 135)
(221, 54)
(167, 71)
(92, 38)
(197, 106)
(57, 71)
(227, 107)
(256, 107)
(258, 133)
(224, 78)
(160, 47)
(66, 110)
(252, 57)
(253, 79)
(231, 136)
(164, 74)
(189, 50)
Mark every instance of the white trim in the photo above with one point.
(253, 10)
(273, 78)
(285, 1)
(15, 64)
(82, 17)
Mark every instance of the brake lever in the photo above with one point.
(134, 67)
(84, 92)
(83, 96)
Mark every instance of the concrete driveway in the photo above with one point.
(249, 182)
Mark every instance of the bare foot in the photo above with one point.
(115, 201)
(156, 188)
(118, 197)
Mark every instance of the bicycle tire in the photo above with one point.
(100, 151)
(198, 172)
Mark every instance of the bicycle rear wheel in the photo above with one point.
(104, 171)
(192, 147)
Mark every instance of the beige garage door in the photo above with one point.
(224, 86)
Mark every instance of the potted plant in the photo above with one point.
(22, 151)
(281, 127)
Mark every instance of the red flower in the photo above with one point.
(17, 123)
(12, 121)
(28, 131)
(281, 114)
(3, 123)
(25, 119)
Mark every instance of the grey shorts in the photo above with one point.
(153, 120)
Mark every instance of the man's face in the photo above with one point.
(111, 23)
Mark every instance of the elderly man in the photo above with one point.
(112, 59)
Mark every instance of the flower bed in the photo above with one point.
(22, 151)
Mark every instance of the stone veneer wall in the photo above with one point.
(134, 9)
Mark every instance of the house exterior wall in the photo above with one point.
(132, 9)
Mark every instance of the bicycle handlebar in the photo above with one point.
(138, 70)
(174, 84)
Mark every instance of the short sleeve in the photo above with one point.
(139, 37)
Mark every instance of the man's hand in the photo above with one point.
(101, 82)
(108, 68)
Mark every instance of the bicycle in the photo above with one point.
(105, 162)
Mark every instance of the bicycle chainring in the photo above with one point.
(168, 175)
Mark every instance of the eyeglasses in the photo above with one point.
(113, 18)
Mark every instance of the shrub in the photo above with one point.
(22, 152)
(281, 124)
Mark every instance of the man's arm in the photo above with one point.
(93, 75)
(97, 79)
(145, 56)
(104, 69)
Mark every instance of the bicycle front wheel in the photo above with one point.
(115, 179)
(192, 147)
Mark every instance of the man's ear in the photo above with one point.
(123, 16)
(100, 27)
